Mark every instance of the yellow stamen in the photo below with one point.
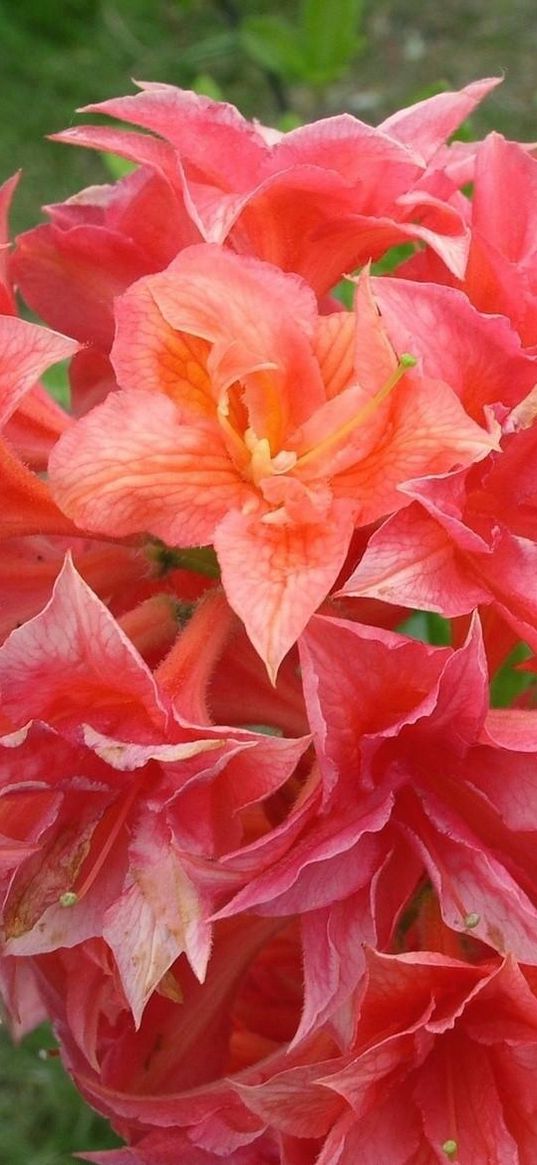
(406, 361)
(238, 447)
(262, 463)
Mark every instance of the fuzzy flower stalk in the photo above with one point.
(268, 637)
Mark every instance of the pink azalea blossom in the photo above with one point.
(319, 200)
(268, 864)
(500, 274)
(105, 788)
(210, 441)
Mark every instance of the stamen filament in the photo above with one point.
(406, 361)
(109, 842)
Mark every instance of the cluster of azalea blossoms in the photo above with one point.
(268, 861)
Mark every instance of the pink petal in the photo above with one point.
(429, 433)
(71, 277)
(479, 356)
(276, 575)
(255, 316)
(426, 125)
(26, 352)
(156, 919)
(27, 507)
(73, 659)
(412, 560)
(132, 465)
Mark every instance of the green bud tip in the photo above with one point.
(450, 1149)
(472, 920)
(406, 360)
(69, 898)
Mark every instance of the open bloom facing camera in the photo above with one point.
(268, 781)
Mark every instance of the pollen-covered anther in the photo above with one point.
(450, 1148)
(262, 463)
(68, 899)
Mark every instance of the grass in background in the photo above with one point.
(43, 1120)
(54, 57)
(278, 60)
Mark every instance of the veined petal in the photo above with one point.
(71, 277)
(157, 918)
(375, 360)
(73, 659)
(478, 355)
(150, 355)
(334, 346)
(26, 351)
(275, 576)
(131, 466)
(35, 427)
(256, 316)
(333, 438)
(188, 120)
(413, 561)
(429, 433)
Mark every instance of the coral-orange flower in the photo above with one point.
(252, 423)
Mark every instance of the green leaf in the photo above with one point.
(273, 44)
(207, 87)
(392, 258)
(508, 683)
(288, 121)
(330, 37)
(344, 291)
(56, 381)
(117, 167)
(209, 48)
(427, 627)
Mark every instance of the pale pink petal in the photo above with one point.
(333, 939)
(26, 350)
(472, 883)
(503, 204)
(71, 277)
(188, 120)
(377, 166)
(157, 918)
(325, 865)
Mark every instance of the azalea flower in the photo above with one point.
(267, 862)
(500, 273)
(106, 793)
(248, 421)
(318, 200)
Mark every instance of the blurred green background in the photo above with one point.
(283, 62)
(279, 61)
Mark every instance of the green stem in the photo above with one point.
(199, 559)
